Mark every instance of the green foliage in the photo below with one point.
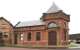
(73, 45)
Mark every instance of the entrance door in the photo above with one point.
(1, 39)
(52, 40)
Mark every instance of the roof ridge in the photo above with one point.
(30, 21)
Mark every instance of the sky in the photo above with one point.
(28, 10)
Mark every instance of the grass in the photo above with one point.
(18, 46)
(73, 45)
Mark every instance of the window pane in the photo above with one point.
(38, 36)
(29, 36)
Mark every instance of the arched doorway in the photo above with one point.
(52, 40)
(1, 39)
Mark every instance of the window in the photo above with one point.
(5, 36)
(0, 34)
(52, 25)
(29, 36)
(21, 36)
(38, 36)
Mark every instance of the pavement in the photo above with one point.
(12, 48)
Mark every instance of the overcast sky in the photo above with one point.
(27, 10)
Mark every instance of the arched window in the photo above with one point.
(52, 25)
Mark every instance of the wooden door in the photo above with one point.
(52, 40)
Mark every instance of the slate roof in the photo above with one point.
(30, 23)
(54, 8)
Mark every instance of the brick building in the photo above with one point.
(6, 32)
(50, 31)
